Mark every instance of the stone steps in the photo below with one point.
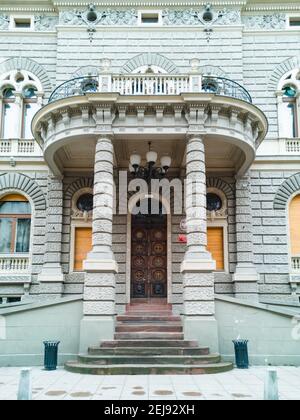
(146, 342)
(149, 343)
(140, 328)
(148, 351)
(149, 359)
(134, 369)
(148, 318)
(154, 335)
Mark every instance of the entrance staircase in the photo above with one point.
(148, 339)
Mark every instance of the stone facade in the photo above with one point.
(251, 47)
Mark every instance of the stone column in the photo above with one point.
(52, 271)
(100, 266)
(198, 266)
(245, 277)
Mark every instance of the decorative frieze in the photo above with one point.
(106, 17)
(195, 17)
(4, 22)
(45, 23)
(275, 21)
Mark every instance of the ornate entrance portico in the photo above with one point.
(98, 131)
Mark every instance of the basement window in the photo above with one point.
(294, 22)
(149, 17)
(22, 23)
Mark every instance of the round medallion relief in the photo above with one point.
(139, 261)
(139, 275)
(158, 248)
(158, 261)
(139, 249)
(158, 235)
(139, 234)
(158, 275)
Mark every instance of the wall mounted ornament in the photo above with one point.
(93, 17)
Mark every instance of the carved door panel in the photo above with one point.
(149, 261)
(139, 262)
(157, 262)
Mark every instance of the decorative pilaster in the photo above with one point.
(198, 265)
(246, 277)
(52, 270)
(100, 266)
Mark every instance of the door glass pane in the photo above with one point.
(5, 235)
(29, 112)
(23, 235)
(10, 121)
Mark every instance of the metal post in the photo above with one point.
(271, 385)
(25, 389)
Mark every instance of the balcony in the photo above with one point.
(156, 84)
(161, 108)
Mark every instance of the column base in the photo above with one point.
(94, 329)
(55, 277)
(246, 280)
(202, 329)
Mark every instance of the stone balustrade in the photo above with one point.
(10, 264)
(19, 147)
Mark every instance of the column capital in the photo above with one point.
(109, 136)
(190, 136)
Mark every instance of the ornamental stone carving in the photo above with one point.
(276, 21)
(195, 17)
(4, 22)
(108, 17)
(45, 23)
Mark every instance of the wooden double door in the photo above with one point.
(149, 257)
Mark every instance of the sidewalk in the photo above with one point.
(235, 385)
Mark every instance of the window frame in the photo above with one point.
(10, 80)
(289, 79)
(6, 101)
(26, 101)
(14, 230)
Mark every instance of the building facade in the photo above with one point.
(211, 91)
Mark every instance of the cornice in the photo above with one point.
(274, 8)
(28, 9)
(153, 3)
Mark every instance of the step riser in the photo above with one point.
(149, 343)
(150, 318)
(159, 360)
(172, 351)
(148, 336)
(148, 328)
(148, 370)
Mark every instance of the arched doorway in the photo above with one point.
(149, 272)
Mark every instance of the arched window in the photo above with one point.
(15, 224)
(20, 94)
(295, 232)
(10, 109)
(288, 97)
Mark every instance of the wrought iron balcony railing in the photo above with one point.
(151, 84)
